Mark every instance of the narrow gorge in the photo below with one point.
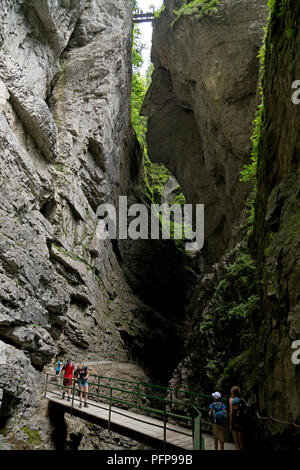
(222, 115)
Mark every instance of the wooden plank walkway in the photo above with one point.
(153, 428)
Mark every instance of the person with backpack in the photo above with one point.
(58, 367)
(238, 412)
(82, 374)
(68, 377)
(218, 416)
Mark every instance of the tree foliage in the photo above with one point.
(139, 84)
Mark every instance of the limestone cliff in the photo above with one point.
(62, 152)
(200, 106)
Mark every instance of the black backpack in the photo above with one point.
(240, 411)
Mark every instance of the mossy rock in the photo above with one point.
(33, 435)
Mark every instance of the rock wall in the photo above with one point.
(277, 228)
(85, 436)
(61, 153)
(200, 106)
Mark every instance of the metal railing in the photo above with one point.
(111, 395)
(123, 356)
(143, 17)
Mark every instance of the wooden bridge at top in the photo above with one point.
(143, 17)
(164, 432)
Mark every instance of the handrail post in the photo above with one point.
(193, 427)
(73, 393)
(99, 378)
(109, 414)
(165, 425)
(201, 436)
(198, 443)
(46, 383)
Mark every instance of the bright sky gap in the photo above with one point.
(146, 31)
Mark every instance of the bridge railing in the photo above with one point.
(122, 356)
(112, 395)
(176, 398)
(143, 17)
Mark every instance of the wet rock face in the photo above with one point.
(85, 436)
(277, 226)
(201, 104)
(23, 26)
(20, 385)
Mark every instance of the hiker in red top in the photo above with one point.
(68, 376)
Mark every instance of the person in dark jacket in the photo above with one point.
(237, 407)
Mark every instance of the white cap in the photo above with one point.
(216, 395)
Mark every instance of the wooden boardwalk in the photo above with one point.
(132, 422)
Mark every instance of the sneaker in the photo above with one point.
(86, 405)
(80, 405)
(69, 398)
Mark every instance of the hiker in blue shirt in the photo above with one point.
(218, 416)
(58, 367)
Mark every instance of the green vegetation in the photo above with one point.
(249, 172)
(196, 8)
(33, 435)
(158, 12)
(156, 175)
(62, 168)
(179, 197)
(62, 67)
(140, 85)
(236, 294)
(277, 7)
(226, 318)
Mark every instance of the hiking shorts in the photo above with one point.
(82, 383)
(219, 432)
(67, 382)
